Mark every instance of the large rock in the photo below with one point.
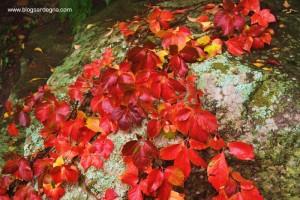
(255, 105)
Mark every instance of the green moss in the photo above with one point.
(271, 97)
(279, 173)
(220, 66)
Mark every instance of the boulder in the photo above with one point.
(260, 106)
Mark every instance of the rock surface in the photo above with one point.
(252, 104)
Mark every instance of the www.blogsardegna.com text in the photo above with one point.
(38, 10)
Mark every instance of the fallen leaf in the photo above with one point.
(203, 41)
(93, 123)
(89, 26)
(59, 162)
(38, 49)
(257, 64)
(286, 4)
(76, 46)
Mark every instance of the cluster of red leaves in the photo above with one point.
(152, 83)
(233, 18)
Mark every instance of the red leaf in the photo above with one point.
(218, 171)
(159, 19)
(189, 54)
(250, 5)
(141, 151)
(216, 143)
(5, 182)
(251, 194)
(153, 128)
(229, 22)
(241, 150)
(182, 161)
(68, 173)
(110, 194)
(12, 130)
(171, 152)
(125, 30)
(153, 181)
(130, 176)
(263, 18)
(178, 65)
(90, 159)
(177, 37)
(196, 159)
(52, 112)
(77, 90)
(72, 128)
(196, 123)
(53, 192)
(26, 192)
(135, 193)
(164, 191)
(194, 144)
(40, 165)
(143, 58)
(237, 45)
(174, 175)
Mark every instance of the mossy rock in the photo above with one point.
(251, 104)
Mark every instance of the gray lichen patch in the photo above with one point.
(100, 180)
(229, 83)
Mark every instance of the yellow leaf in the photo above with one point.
(257, 64)
(89, 26)
(214, 48)
(37, 79)
(161, 54)
(5, 115)
(176, 196)
(38, 49)
(204, 40)
(59, 162)
(267, 68)
(93, 123)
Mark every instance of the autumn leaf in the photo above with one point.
(194, 122)
(135, 193)
(141, 151)
(12, 130)
(218, 171)
(26, 192)
(263, 18)
(93, 123)
(125, 30)
(130, 176)
(110, 194)
(214, 48)
(229, 21)
(174, 175)
(159, 19)
(143, 58)
(250, 5)
(175, 37)
(153, 128)
(241, 150)
(153, 181)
